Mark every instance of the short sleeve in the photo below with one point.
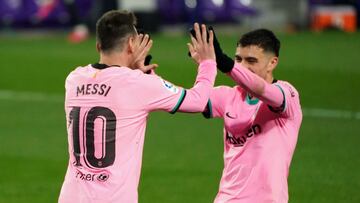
(216, 105)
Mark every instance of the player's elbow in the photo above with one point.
(201, 103)
(195, 101)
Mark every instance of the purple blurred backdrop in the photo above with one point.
(24, 13)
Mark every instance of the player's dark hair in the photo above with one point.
(113, 28)
(262, 38)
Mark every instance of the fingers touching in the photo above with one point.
(201, 46)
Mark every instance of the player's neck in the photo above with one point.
(269, 78)
(114, 59)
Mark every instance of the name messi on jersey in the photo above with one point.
(240, 141)
(93, 89)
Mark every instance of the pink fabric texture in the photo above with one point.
(106, 113)
(270, 93)
(258, 141)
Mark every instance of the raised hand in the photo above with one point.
(143, 44)
(224, 62)
(201, 47)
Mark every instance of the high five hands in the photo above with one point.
(201, 47)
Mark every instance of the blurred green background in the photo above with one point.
(183, 153)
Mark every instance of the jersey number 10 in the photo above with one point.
(108, 131)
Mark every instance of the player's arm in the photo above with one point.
(194, 99)
(272, 94)
(217, 102)
(280, 96)
(202, 51)
(159, 94)
(217, 99)
(163, 95)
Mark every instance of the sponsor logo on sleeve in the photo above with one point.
(169, 86)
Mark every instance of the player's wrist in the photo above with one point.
(207, 61)
(208, 65)
(224, 63)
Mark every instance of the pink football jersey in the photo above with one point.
(259, 142)
(106, 110)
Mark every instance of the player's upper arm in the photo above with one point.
(159, 94)
(216, 105)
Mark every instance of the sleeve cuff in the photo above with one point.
(281, 108)
(180, 101)
(207, 62)
(208, 110)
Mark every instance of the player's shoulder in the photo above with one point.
(287, 86)
(109, 72)
(138, 79)
(224, 91)
(141, 78)
(130, 78)
(79, 70)
(292, 98)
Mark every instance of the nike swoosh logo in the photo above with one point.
(230, 116)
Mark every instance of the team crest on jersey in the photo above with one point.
(169, 86)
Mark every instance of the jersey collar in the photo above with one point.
(251, 101)
(101, 66)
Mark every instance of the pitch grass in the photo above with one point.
(182, 159)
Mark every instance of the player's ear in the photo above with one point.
(273, 63)
(98, 47)
(131, 44)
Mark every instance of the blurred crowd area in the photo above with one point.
(80, 15)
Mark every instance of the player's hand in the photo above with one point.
(143, 44)
(147, 63)
(201, 47)
(224, 63)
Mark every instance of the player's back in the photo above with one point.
(106, 120)
(106, 110)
